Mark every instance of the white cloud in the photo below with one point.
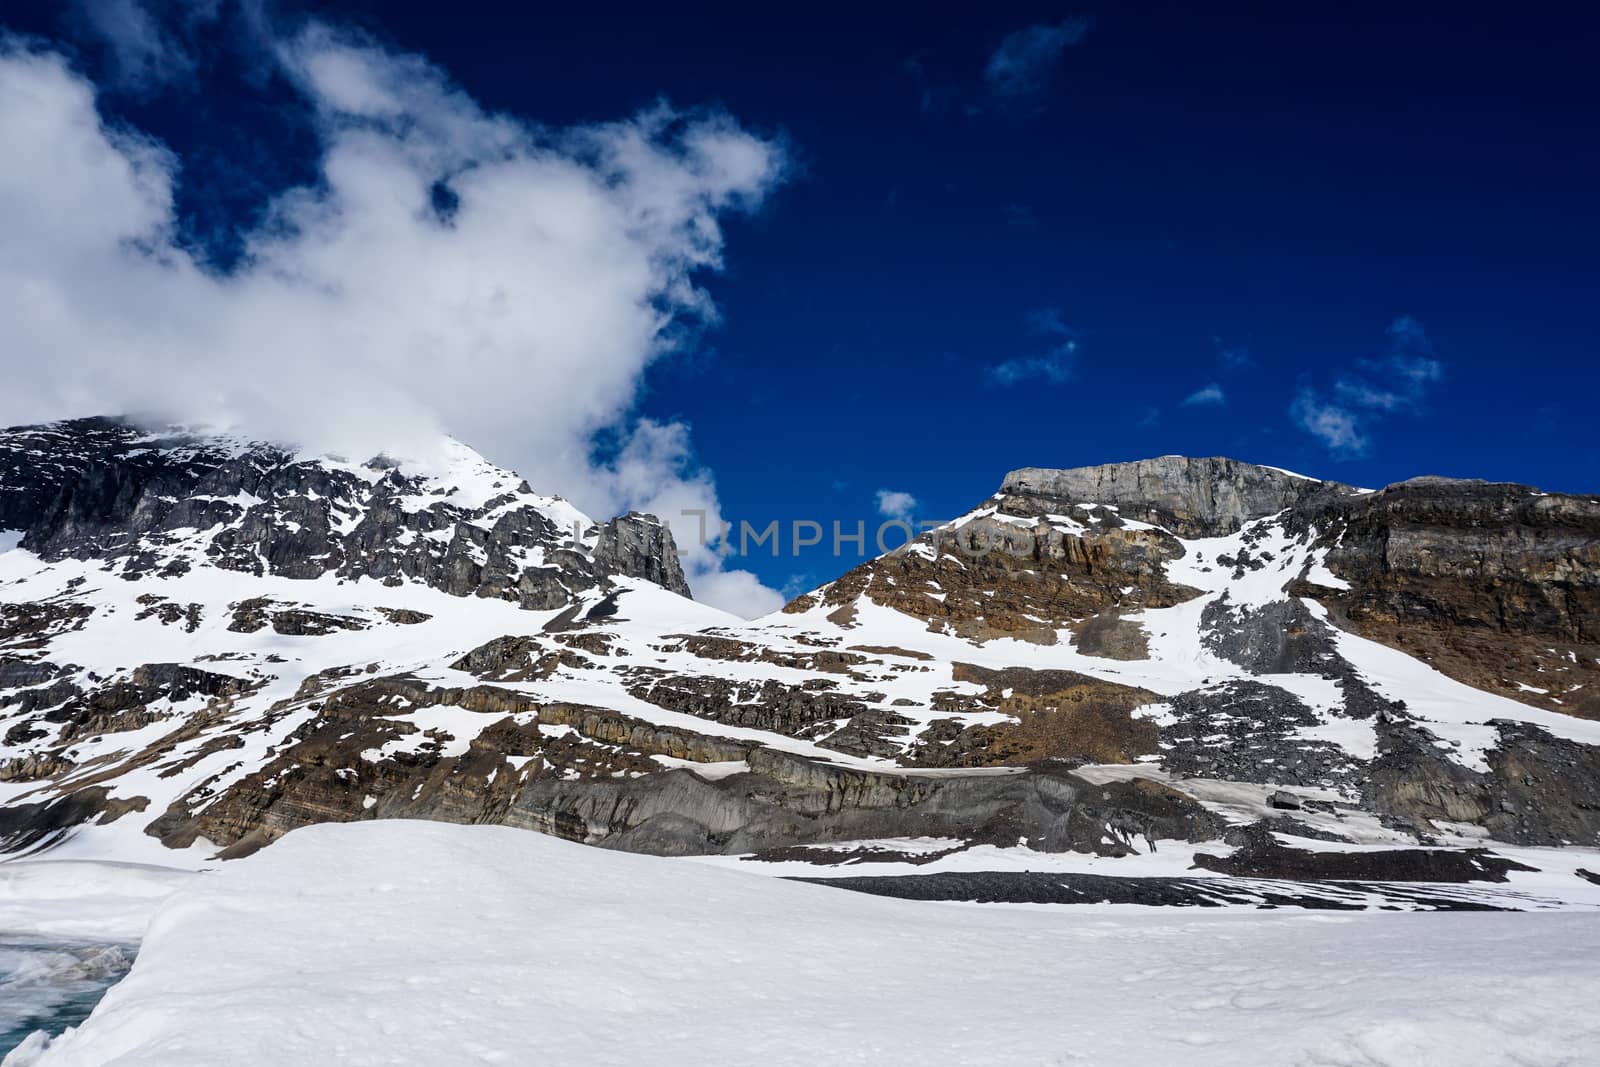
(894, 504)
(740, 592)
(1394, 384)
(1206, 396)
(654, 472)
(1025, 60)
(1334, 426)
(1363, 394)
(1054, 366)
(361, 319)
(146, 51)
(1403, 374)
(1411, 354)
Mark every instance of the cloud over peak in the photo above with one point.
(451, 269)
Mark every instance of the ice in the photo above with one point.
(49, 984)
(68, 899)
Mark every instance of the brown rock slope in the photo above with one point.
(1496, 585)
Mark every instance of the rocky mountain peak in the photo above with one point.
(166, 502)
(1205, 497)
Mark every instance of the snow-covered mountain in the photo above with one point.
(166, 504)
(1195, 670)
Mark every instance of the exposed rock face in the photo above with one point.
(641, 546)
(1060, 547)
(164, 503)
(1262, 856)
(1059, 715)
(33, 824)
(357, 757)
(589, 775)
(30, 626)
(1540, 789)
(68, 711)
(258, 613)
(1022, 566)
(1546, 789)
(1190, 497)
(1250, 732)
(785, 800)
(768, 705)
(1282, 637)
(1495, 585)
(809, 710)
(1033, 887)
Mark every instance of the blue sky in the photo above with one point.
(1358, 242)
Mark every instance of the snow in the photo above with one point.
(63, 898)
(1319, 574)
(711, 772)
(1292, 474)
(241, 499)
(10, 539)
(421, 943)
(462, 726)
(467, 480)
(1453, 711)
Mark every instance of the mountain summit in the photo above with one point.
(168, 502)
(1193, 497)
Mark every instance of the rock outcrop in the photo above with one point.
(1495, 585)
(1190, 497)
(163, 503)
(1023, 565)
